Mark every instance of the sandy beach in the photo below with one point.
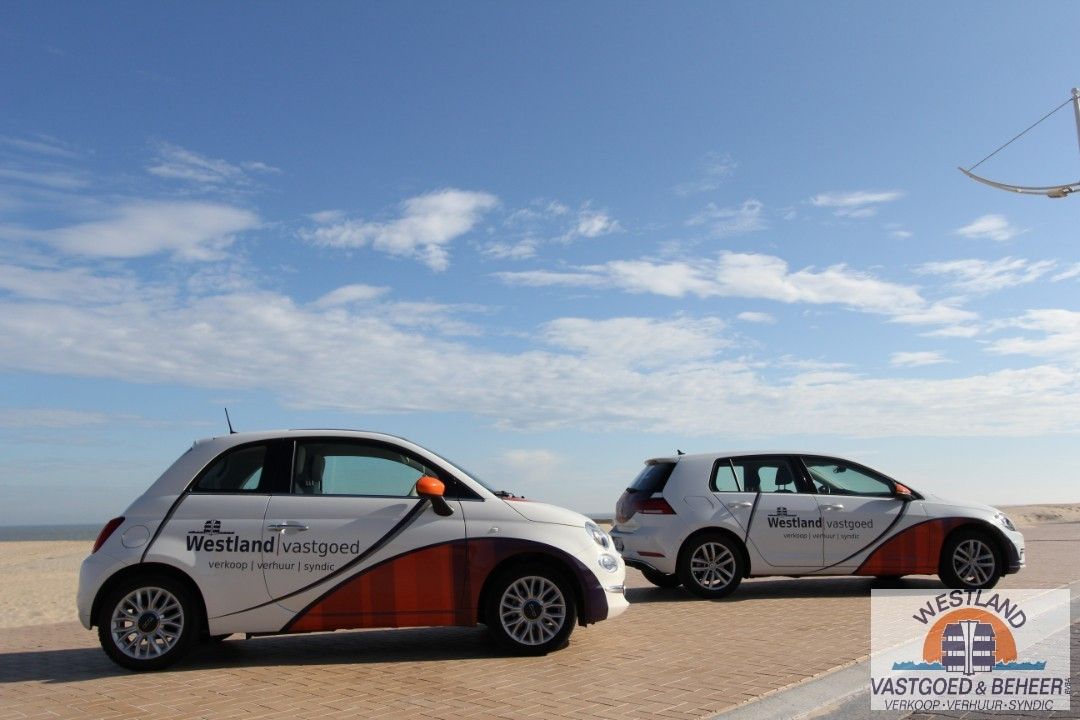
(38, 579)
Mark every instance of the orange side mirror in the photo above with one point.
(903, 492)
(428, 486)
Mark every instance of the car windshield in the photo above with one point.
(472, 476)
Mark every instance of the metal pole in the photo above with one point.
(1076, 110)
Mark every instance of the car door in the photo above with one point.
(785, 527)
(216, 530)
(728, 487)
(858, 505)
(352, 505)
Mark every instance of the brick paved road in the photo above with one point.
(669, 656)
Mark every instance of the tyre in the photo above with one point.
(531, 609)
(970, 560)
(662, 580)
(148, 622)
(710, 565)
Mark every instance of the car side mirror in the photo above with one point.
(433, 489)
(903, 492)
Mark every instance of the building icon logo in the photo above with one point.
(968, 647)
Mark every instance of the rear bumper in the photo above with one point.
(645, 548)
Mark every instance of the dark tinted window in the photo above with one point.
(652, 478)
(239, 470)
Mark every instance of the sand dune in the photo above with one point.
(38, 579)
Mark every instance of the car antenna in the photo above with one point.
(231, 431)
(679, 452)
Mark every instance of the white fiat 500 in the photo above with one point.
(707, 521)
(299, 531)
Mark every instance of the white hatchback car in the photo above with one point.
(300, 531)
(707, 521)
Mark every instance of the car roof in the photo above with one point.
(710, 456)
(239, 438)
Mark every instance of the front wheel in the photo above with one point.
(662, 580)
(531, 610)
(970, 560)
(710, 565)
(147, 623)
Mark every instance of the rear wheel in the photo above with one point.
(662, 580)
(147, 623)
(710, 565)
(970, 560)
(531, 610)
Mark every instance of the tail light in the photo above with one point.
(632, 503)
(109, 529)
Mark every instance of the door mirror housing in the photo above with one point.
(903, 492)
(433, 489)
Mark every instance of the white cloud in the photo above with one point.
(52, 179)
(76, 285)
(757, 317)
(1067, 274)
(176, 163)
(636, 341)
(716, 168)
(348, 294)
(856, 204)
(312, 357)
(47, 418)
(994, 227)
(1060, 331)
(43, 145)
(753, 275)
(427, 226)
(983, 276)
(900, 234)
(723, 222)
(954, 331)
(594, 223)
(188, 230)
(917, 359)
(521, 250)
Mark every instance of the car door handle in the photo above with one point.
(286, 527)
(832, 507)
(742, 505)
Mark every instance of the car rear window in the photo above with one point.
(652, 478)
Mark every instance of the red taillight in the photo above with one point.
(109, 529)
(632, 503)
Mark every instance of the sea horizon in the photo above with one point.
(49, 532)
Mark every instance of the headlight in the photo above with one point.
(1004, 520)
(608, 562)
(599, 536)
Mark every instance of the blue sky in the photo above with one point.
(547, 241)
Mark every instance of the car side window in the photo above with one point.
(768, 475)
(726, 477)
(836, 477)
(354, 468)
(238, 470)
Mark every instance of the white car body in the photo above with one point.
(270, 558)
(808, 525)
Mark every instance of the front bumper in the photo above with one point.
(1014, 551)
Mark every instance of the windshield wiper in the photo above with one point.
(506, 494)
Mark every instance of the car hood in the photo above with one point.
(542, 512)
(952, 503)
